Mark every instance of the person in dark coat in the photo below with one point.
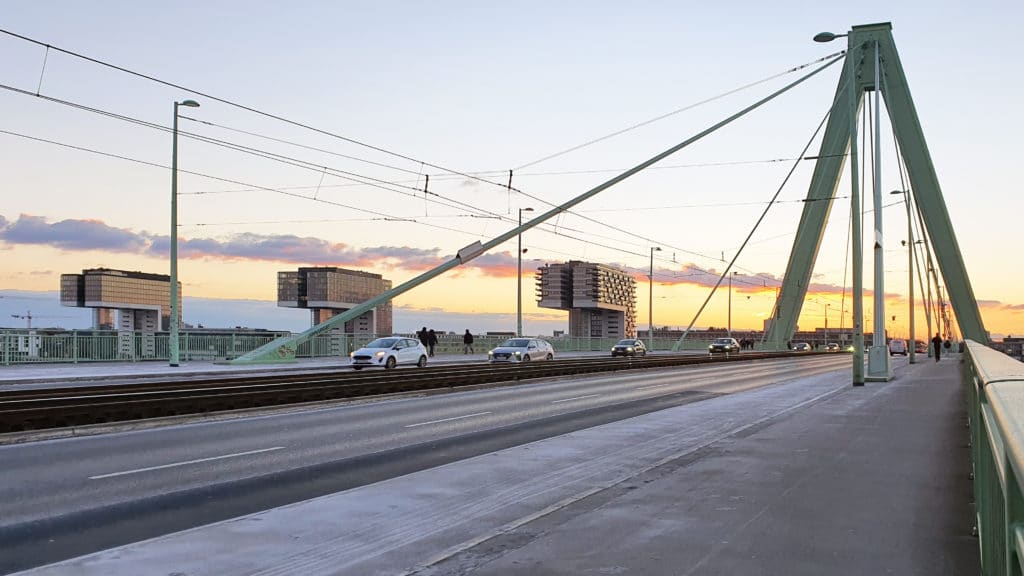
(937, 344)
(431, 341)
(423, 337)
(467, 342)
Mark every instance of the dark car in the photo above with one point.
(724, 345)
(801, 347)
(629, 347)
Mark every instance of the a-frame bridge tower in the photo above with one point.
(858, 76)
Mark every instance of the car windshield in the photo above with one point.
(627, 343)
(383, 343)
(723, 341)
(516, 343)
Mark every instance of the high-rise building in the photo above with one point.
(329, 291)
(129, 302)
(601, 300)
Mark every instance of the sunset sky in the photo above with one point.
(463, 92)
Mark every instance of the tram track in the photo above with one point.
(40, 409)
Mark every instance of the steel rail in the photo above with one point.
(22, 410)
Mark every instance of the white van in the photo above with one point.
(897, 346)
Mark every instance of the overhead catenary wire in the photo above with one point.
(228, 180)
(333, 134)
(298, 124)
(338, 136)
(384, 185)
(246, 108)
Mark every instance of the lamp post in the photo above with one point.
(650, 301)
(729, 327)
(519, 276)
(173, 341)
(910, 273)
(827, 306)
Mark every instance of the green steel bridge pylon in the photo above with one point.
(858, 76)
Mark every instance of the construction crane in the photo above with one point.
(27, 317)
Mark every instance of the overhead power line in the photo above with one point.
(249, 108)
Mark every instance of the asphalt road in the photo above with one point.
(64, 498)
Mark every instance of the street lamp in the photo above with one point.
(519, 276)
(910, 273)
(827, 306)
(827, 36)
(173, 343)
(650, 301)
(729, 328)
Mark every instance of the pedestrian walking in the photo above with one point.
(422, 336)
(937, 344)
(431, 341)
(467, 342)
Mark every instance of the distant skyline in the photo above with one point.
(481, 88)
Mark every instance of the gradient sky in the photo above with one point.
(481, 88)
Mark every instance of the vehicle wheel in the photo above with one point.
(526, 358)
(390, 363)
(550, 357)
(422, 363)
(357, 367)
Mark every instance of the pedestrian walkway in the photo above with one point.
(808, 477)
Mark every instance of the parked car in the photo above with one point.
(390, 352)
(897, 346)
(801, 347)
(920, 347)
(832, 347)
(724, 345)
(522, 350)
(629, 347)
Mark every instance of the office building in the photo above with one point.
(136, 304)
(329, 291)
(601, 300)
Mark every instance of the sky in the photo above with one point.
(462, 92)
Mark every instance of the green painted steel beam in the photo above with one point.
(283, 349)
(924, 182)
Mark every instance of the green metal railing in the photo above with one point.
(995, 396)
(75, 346)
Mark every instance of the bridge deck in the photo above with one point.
(807, 477)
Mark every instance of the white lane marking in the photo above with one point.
(576, 398)
(652, 386)
(446, 419)
(185, 463)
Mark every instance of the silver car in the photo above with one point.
(522, 350)
(390, 352)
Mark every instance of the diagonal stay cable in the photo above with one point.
(728, 268)
(676, 111)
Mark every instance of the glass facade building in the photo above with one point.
(107, 290)
(328, 291)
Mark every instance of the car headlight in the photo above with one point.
(351, 354)
(518, 353)
(380, 353)
(711, 347)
